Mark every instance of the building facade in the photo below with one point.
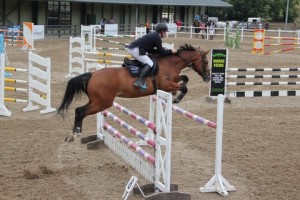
(84, 12)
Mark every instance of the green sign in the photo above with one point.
(218, 69)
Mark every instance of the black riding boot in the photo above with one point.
(140, 81)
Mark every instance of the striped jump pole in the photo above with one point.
(217, 183)
(263, 93)
(263, 76)
(3, 109)
(130, 128)
(111, 41)
(15, 69)
(11, 80)
(104, 61)
(15, 100)
(135, 116)
(282, 38)
(110, 48)
(281, 44)
(263, 83)
(101, 38)
(286, 69)
(117, 36)
(192, 116)
(15, 89)
(260, 38)
(282, 50)
(39, 85)
(109, 54)
(277, 93)
(155, 168)
(131, 144)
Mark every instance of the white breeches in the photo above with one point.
(142, 58)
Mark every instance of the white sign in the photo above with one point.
(172, 27)
(130, 186)
(214, 19)
(38, 32)
(111, 29)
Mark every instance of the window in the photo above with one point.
(59, 13)
(168, 14)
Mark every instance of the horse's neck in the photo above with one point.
(177, 62)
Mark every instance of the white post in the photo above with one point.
(100, 124)
(93, 27)
(150, 132)
(207, 32)
(218, 183)
(163, 141)
(242, 35)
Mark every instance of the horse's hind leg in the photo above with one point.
(81, 112)
(77, 128)
(88, 109)
(79, 115)
(183, 89)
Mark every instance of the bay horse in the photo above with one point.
(104, 85)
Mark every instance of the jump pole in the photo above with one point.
(217, 183)
(3, 110)
(158, 171)
(278, 51)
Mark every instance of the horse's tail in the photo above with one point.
(75, 87)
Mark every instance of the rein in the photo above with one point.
(190, 64)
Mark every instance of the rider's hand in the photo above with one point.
(174, 50)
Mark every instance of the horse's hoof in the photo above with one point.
(76, 130)
(69, 138)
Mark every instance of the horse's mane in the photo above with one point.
(187, 47)
(184, 47)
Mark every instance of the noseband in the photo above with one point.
(190, 64)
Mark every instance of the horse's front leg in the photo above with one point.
(183, 88)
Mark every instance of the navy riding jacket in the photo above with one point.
(150, 43)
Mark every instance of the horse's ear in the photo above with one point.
(206, 52)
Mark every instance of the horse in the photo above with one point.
(104, 85)
(231, 24)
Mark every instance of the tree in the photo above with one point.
(272, 10)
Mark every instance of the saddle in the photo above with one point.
(135, 67)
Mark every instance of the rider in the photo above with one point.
(149, 43)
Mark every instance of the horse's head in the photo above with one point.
(203, 65)
(195, 59)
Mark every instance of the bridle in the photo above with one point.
(190, 64)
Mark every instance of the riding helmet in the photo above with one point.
(161, 27)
